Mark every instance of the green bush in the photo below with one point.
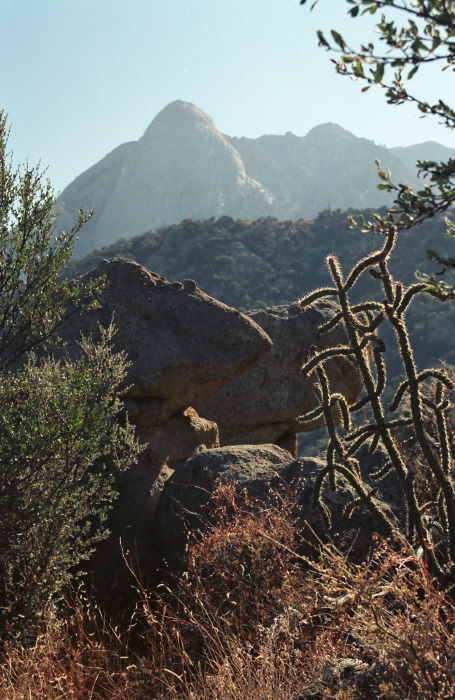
(60, 449)
(60, 443)
(33, 296)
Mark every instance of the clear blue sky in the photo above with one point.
(80, 77)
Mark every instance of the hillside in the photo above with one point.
(254, 264)
(184, 168)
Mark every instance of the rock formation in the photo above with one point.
(131, 523)
(264, 404)
(181, 344)
(187, 492)
(260, 471)
(183, 347)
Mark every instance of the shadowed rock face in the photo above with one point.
(182, 344)
(182, 506)
(264, 404)
(260, 471)
(131, 522)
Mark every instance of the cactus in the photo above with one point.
(365, 348)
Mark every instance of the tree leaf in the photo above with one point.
(338, 39)
(322, 40)
(378, 74)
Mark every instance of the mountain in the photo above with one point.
(184, 168)
(329, 168)
(429, 150)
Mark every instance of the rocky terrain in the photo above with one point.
(185, 347)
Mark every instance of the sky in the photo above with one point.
(80, 77)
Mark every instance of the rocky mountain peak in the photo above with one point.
(178, 116)
(329, 130)
(181, 168)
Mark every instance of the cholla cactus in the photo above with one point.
(365, 349)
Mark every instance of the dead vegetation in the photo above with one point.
(251, 618)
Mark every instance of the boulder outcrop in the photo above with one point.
(243, 375)
(181, 344)
(265, 403)
(181, 508)
(131, 522)
(262, 471)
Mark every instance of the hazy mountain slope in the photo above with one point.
(182, 167)
(327, 168)
(429, 150)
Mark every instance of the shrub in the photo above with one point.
(77, 655)
(33, 296)
(60, 449)
(60, 444)
(252, 618)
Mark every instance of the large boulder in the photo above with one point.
(130, 522)
(184, 507)
(181, 344)
(264, 405)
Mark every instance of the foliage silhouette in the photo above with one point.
(60, 443)
(33, 296)
(426, 37)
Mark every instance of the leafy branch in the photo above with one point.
(426, 37)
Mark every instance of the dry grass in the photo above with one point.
(252, 620)
(77, 655)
